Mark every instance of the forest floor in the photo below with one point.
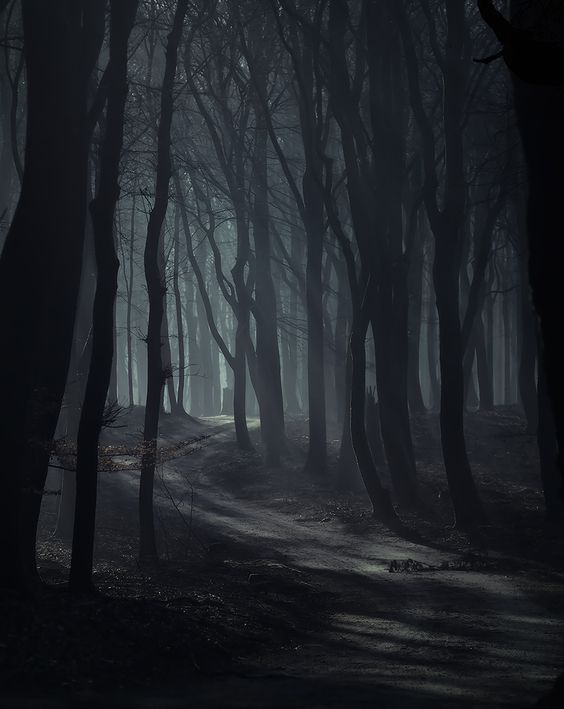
(273, 590)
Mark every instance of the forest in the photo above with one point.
(281, 374)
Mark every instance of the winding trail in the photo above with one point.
(436, 637)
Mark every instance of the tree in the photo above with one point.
(537, 68)
(269, 385)
(62, 43)
(303, 49)
(446, 223)
(156, 292)
(102, 208)
(227, 126)
(374, 157)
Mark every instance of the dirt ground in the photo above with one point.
(275, 591)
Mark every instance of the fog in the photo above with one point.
(281, 366)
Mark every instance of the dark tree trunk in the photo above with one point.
(102, 210)
(375, 172)
(329, 342)
(269, 384)
(317, 449)
(129, 335)
(528, 363)
(416, 403)
(390, 320)
(291, 382)
(7, 170)
(548, 452)
(507, 312)
(215, 352)
(539, 113)
(373, 430)
(467, 506)
(13, 74)
(432, 353)
(207, 373)
(166, 350)
(471, 397)
(312, 216)
(242, 335)
(141, 359)
(179, 408)
(538, 79)
(446, 224)
(529, 337)
(489, 337)
(347, 471)
(194, 357)
(46, 238)
(485, 384)
(156, 293)
(112, 392)
(69, 418)
(341, 347)
(379, 496)
(288, 372)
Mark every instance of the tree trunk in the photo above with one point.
(297, 237)
(548, 452)
(129, 335)
(102, 209)
(529, 337)
(194, 357)
(375, 197)
(7, 170)
(216, 375)
(467, 505)
(112, 393)
(484, 370)
(242, 332)
(507, 314)
(538, 78)
(432, 354)
(156, 293)
(317, 448)
(313, 218)
(538, 112)
(416, 403)
(207, 375)
(347, 471)
(166, 350)
(446, 224)
(179, 408)
(341, 373)
(69, 418)
(379, 496)
(46, 238)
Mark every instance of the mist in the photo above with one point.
(281, 371)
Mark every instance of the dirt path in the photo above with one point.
(445, 631)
